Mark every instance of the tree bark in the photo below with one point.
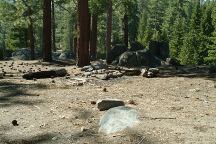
(47, 32)
(3, 45)
(83, 58)
(109, 31)
(93, 41)
(31, 34)
(125, 29)
(75, 41)
(53, 27)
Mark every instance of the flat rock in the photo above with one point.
(106, 104)
(118, 119)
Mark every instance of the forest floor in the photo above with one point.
(173, 108)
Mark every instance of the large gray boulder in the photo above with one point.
(55, 55)
(116, 51)
(128, 58)
(22, 54)
(63, 56)
(139, 58)
(117, 119)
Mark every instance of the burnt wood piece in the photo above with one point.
(132, 72)
(45, 74)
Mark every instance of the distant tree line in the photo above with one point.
(88, 28)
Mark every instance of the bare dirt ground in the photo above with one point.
(174, 108)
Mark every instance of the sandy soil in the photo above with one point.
(174, 108)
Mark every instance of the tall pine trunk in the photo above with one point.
(31, 34)
(47, 31)
(83, 58)
(93, 41)
(75, 40)
(53, 27)
(125, 29)
(109, 31)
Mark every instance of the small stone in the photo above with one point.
(144, 72)
(67, 77)
(106, 104)
(63, 117)
(194, 90)
(132, 102)
(104, 89)
(83, 129)
(55, 138)
(53, 81)
(93, 102)
(14, 122)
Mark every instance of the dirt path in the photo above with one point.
(59, 111)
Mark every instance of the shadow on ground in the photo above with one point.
(188, 72)
(129, 137)
(42, 138)
(16, 94)
(57, 63)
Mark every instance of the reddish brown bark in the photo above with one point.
(53, 27)
(75, 41)
(125, 20)
(31, 34)
(83, 58)
(93, 41)
(109, 31)
(47, 31)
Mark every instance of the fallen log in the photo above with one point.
(132, 72)
(45, 74)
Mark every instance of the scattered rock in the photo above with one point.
(104, 89)
(55, 138)
(83, 129)
(87, 68)
(106, 104)
(194, 90)
(97, 65)
(132, 102)
(15, 123)
(63, 56)
(93, 102)
(116, 51)
(149, 72)
(118, 119)
(132, 72)
(138, 58)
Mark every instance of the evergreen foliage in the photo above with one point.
(189, 26)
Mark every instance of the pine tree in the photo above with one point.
(177, 37)
(211, 58)
(192, 45)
